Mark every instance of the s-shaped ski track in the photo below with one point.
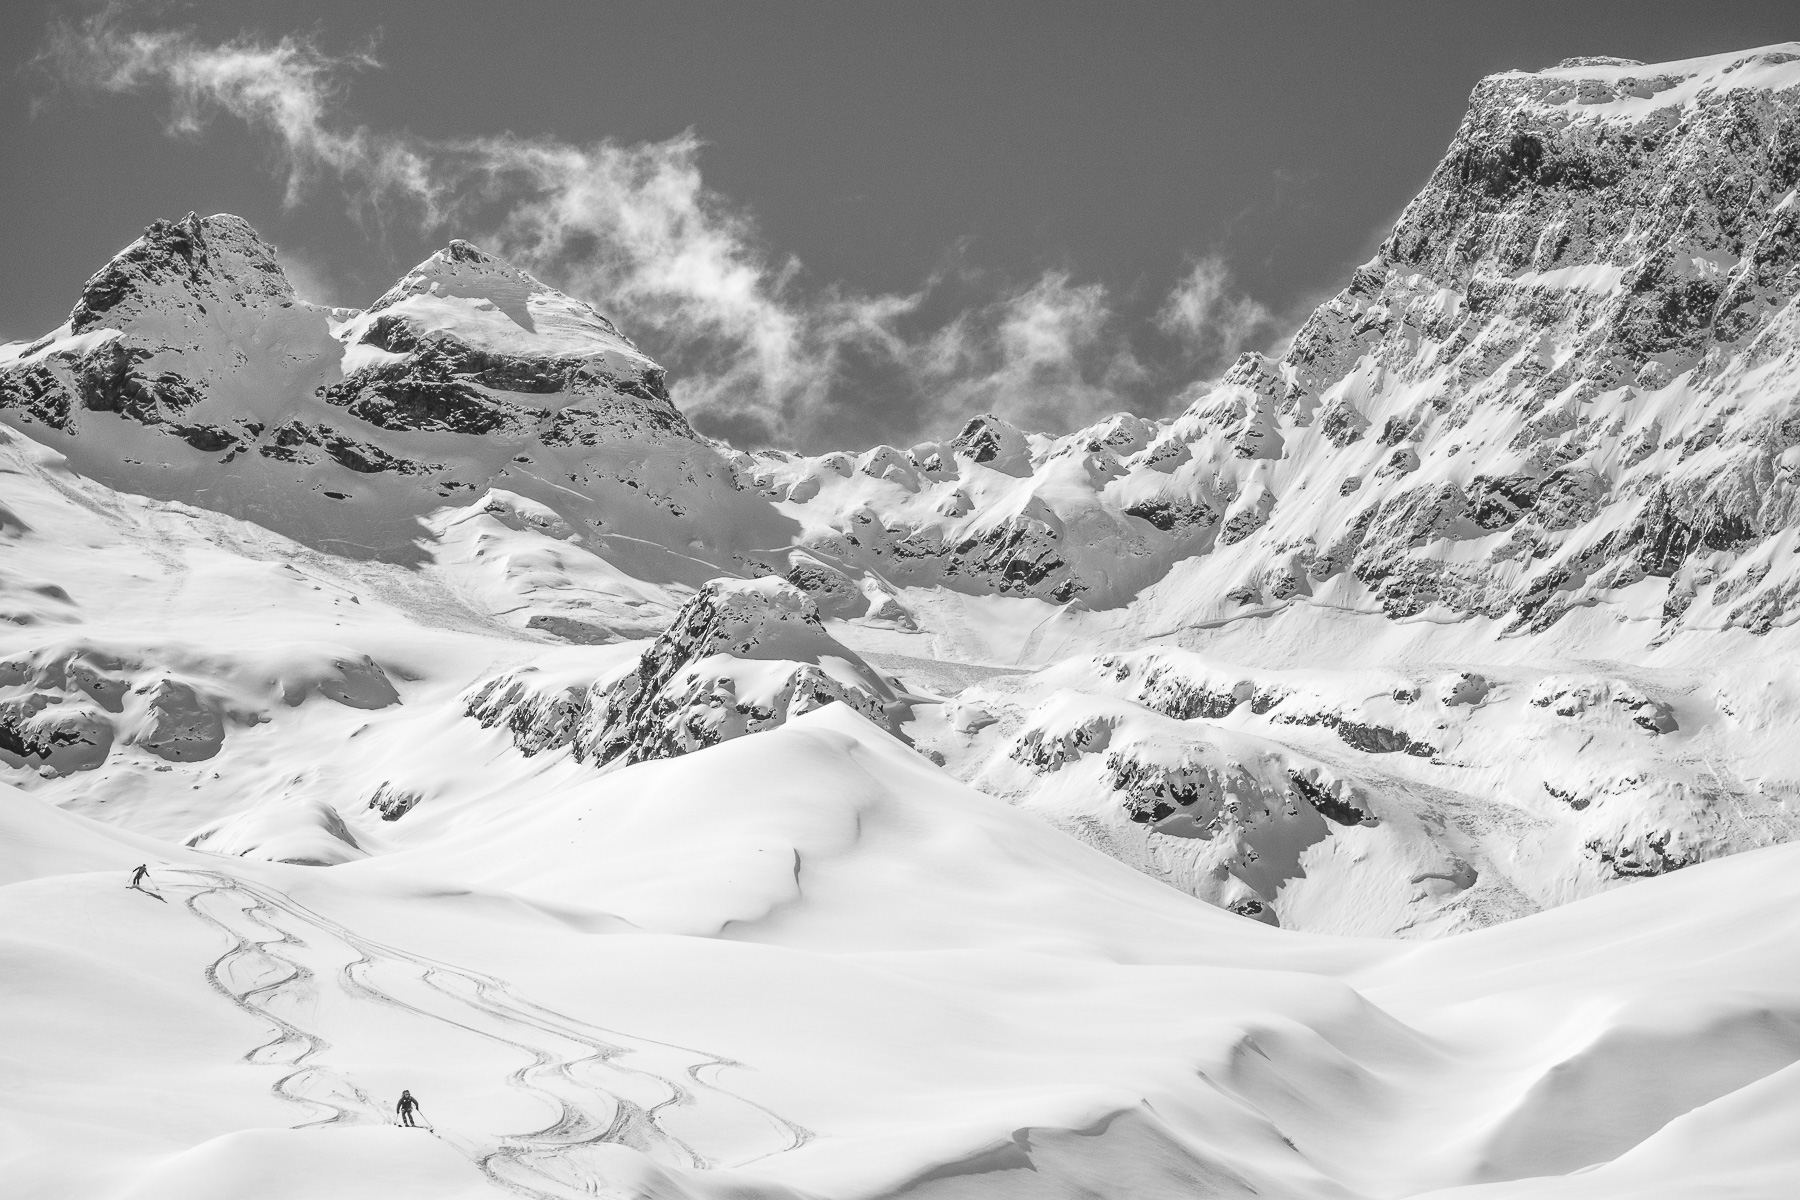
(603, 1087)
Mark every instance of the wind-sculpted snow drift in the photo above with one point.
(491, 733)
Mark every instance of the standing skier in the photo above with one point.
(406, 1108)
(139, 878)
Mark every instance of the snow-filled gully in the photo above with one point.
(604, 1087)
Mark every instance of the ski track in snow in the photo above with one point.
(605, 1087)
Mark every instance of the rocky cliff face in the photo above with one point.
(67, 703)
(741, 657)
(1572, 366)
(1568, 378)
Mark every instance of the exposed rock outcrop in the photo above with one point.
(742, 656)
(1222, 814)
(66, 706)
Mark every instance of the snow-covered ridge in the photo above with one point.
(1604, 87)
(741, 657)
(1376, 800)
(190, 372)
(461, 325)
(539, 320)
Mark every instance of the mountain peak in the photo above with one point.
(1595, 60)
(466, 252)
(179, 262)
(1608, 88)
(464, 291)
(465, 271)
(742, 656)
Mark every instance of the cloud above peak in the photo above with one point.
(757, 352)
(1210, 317)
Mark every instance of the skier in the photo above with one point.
(406, 1108)
(137, 884)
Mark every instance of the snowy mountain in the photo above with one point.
(1491, 429)
(680, 821)
(1568, 370)
(188, 371)
(741, 657)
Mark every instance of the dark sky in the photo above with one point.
(872, 142)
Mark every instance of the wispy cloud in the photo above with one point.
(756, 351)
(1210, 317)
(1048, 357)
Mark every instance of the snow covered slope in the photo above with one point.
(692, 978)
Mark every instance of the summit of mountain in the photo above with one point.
(189, 371)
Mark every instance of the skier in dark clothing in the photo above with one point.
(406, 1108)
(140, 877)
